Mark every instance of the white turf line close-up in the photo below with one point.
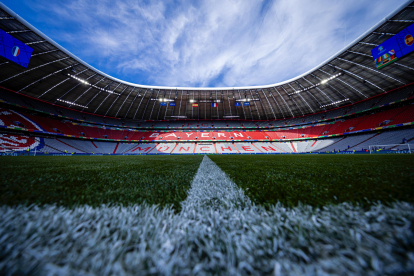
(218, 232)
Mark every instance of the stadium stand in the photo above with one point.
(315, 146)
(247, 148)
(398, 115)
(205, 148)
(124, 147)
(165, 148)
(350, 143)
(184, 148)
(62, 145)
(219, 124)
(104, 147)
(141, 148)
(284, 147)
(387, 138)
(267, 148)
(226, 148)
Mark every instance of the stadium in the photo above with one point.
(309, 176)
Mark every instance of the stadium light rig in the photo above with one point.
(209, 101)
(228, 117)
(94, 86)
(247, 100)
(337, 102)
(78, 79)
(316, 85)
(72, 103)
(162, 99)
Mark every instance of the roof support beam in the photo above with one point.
(347, 84)
(268, 102)
(402, 21)
(105, 98)
(218, 114)
(390, 34)
(250, 107)
(74, 86)
(329, 98)
(192, 108)
(143, 96)
(333, 88)
(168, 105)
(261, 102)
(45, 52)
(242, 105)
(319, 91)
(206, 105)
(366, 43)
(132, 102)
(159, 109)
(20, 31)
(255, 105)
(274, 99)
(34, 68)
(366, 67)
(133, 88)
(224, 108)
(116, 99)
(302, 98)
(355, 75)
(181, 99)
(56, 86)
(290, 110)
(228, 98)
(293, 100)
(146, 106)
(36, 42)
(155, 102)
(173, 109)
(51, 74)
(88, 89)
(308, 91)
(362, 54)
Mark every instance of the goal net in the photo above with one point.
(391, 148)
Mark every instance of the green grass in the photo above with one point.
(319, 180)
(95, 180)
(315, 180)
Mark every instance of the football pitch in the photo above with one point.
(199, 215)
(315, 180)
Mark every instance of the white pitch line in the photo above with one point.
(211, 187)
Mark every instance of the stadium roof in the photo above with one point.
(57, 76)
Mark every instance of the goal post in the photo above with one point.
(390, 147)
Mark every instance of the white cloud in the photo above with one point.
(211, 42)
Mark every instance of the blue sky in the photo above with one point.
(203, 43)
